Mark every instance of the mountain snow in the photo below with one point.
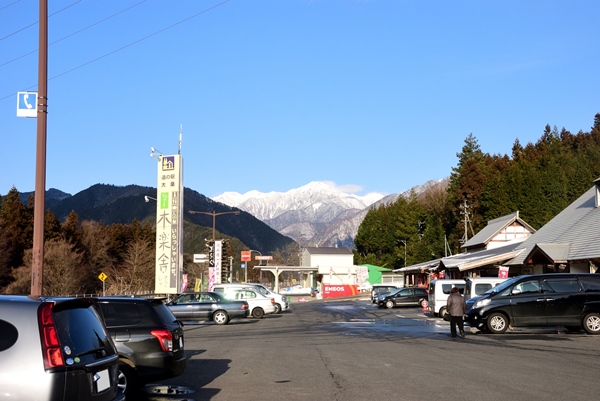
(316, 214)
(307, 213)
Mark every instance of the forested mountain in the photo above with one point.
(539, 180)
(112, 204)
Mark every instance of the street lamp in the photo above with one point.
(214, 215)
(147, 198)
(154, 151)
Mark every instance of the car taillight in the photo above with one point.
(272, 301)
(245, 306)
(165, 338)
(51, 352)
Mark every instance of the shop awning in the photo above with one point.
(472, 260)
(429, 265)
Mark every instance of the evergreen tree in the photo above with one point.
(16, 234)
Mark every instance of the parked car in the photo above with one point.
(208, 306)
(149, 340)
(475, 286)
(380, 289)
(55, 349)
(258, 303)
(439, 291)
(556, 299)
(403, 297)
(281, 301)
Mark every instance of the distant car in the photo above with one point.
(403, 297)
(149, 340)
(259, 304)
(380, 289)
(207, 306)
(281, 301)
(55, 349)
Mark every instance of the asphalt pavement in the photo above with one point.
(349, 349)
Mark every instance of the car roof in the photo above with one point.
(130, 299)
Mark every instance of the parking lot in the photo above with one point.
(352, 350)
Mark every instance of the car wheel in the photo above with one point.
(497, 323)
(443, 312)
(389, 304)
(591, 323)
(277, 308)
(258, 313)
(220, 317)
(127, 381)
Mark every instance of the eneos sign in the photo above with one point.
(339, 290)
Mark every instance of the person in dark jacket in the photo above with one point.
(456, 307)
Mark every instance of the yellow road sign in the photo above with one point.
(102, 276)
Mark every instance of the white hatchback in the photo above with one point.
(259, 304)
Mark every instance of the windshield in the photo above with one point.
(503, 286)
(262, 290)
(393, 292)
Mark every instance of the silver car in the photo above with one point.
(55, 349)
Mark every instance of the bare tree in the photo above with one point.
(136, 273)
(64, 271)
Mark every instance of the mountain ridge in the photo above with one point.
(112, 204)
(316, 214)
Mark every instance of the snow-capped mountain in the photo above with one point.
(316, 214)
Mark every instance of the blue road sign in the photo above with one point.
(27, 104)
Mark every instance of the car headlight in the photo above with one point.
(481, 303)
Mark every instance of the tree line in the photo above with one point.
(539, 180)
(76, 252)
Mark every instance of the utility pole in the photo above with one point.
(467, 222)
(37, 263)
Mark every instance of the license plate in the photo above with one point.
(102, 379)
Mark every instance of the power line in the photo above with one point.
(75, 33)
(126, 46)
(8, 5)
(36, 22)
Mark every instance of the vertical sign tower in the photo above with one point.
(169, 225)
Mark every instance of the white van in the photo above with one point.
(479, 285)
(439, 290)
(259, 304)
(281, 301)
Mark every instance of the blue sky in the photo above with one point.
(373, 95)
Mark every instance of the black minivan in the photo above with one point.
(571, 300)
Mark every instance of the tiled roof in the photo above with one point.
(471, 260)
(423, 265)
(577, 226)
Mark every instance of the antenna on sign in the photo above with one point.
(180, 135)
